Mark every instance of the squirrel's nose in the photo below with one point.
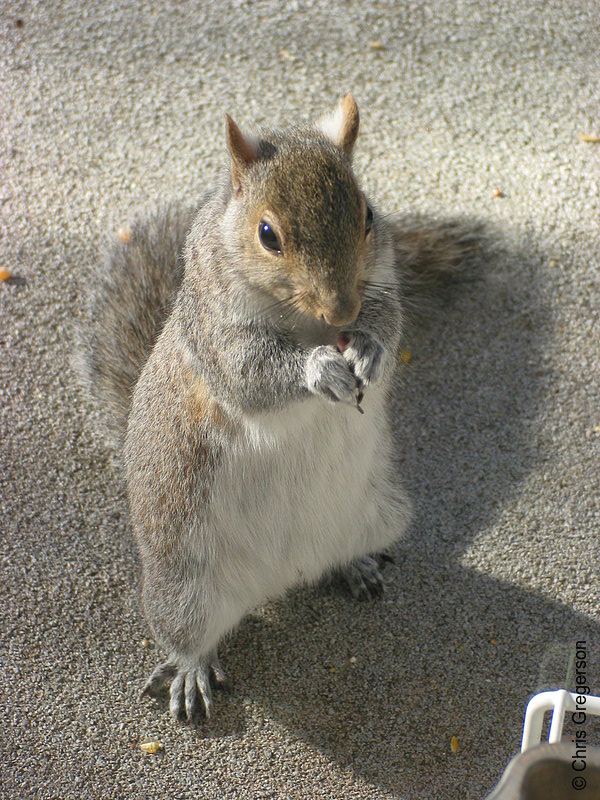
(342, 312)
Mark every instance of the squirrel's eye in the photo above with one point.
(267, 237)
(368, 221)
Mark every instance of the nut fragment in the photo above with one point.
(124, 235)
(151, 747)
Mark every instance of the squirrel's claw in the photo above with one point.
(363, 578)
(358, 399)
(188, 686)
(163, 673)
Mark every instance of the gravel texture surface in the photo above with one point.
(106, 107)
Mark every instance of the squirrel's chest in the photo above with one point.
(315, 446)
(295, 495)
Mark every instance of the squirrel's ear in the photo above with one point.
(242, 149)
(341, 125)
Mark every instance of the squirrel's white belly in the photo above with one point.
(300, 494)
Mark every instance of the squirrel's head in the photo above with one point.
(298, 218)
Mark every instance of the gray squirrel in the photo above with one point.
(230, 347)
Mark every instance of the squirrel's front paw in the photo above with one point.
(188, 685)
(364, 354)
(328, 375)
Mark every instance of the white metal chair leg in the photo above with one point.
(559, 702)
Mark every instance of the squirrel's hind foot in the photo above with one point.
(188, 686)
(364, 578)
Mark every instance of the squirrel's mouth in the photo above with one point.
(311, 331)
(334, 306)
(342, 313)
(319, 332)
(313, 319)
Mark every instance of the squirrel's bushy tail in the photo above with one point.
(433, 256)
(132, 291)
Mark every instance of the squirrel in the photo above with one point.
(230, 347)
